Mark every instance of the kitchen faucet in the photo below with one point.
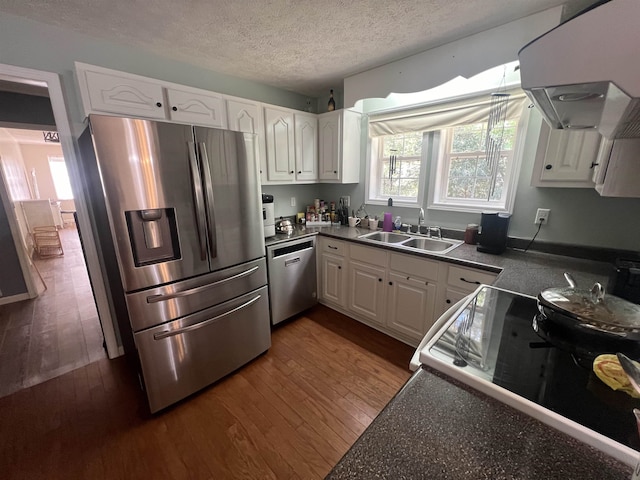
(420, 219)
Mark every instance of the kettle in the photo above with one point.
(284, 226)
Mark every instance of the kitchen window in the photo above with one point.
(448, 138)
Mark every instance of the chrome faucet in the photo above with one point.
(421, 217)
(437, 233)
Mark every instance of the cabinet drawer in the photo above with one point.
(373, 256)
(412, 265)
(334, 247)
(468, 279)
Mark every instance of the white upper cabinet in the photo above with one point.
(199, 107)
(618, 168)
(246, 116)
(339, 146)
(306, 134)
(110, 91)
(565, 158)
(280, 141)
(104, 91)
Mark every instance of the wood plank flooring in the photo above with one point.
(290, 414)
(55, 332)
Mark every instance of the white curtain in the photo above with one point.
(443, 114)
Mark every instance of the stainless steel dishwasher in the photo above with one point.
(292, 277)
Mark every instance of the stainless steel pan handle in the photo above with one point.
(190, 328)
(201, 215)
(213, 244)
(191, 291)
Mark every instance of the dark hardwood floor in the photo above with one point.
(56, 332)
(290, 414)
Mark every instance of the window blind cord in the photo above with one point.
(534, 237)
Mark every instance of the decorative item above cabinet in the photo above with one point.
(565, 158)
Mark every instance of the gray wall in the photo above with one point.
(30, 44)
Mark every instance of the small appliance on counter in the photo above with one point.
(285, 226)
(268, 216)
(493, 232)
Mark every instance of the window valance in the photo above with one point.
(436, 116)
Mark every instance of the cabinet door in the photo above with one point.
(196, 107)
(451, 296)
(367, 291)
(566, 158)
(245, 116)
(306, 128)
(411, 304)
(331, 280)
(329, 146)
(280, 140)
(111, 93)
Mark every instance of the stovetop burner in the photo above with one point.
(493, 338)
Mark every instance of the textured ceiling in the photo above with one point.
(299, 45)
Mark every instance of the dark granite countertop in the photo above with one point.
(438, 428)
(523, 272)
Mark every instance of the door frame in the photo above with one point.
(68, 144)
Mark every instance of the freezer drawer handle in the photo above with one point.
(171, 333)
(475, 282)
(184, 293)
(291, 261)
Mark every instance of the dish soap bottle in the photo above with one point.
(331, 106)
(397, 223)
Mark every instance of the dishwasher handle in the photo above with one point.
(291, 247)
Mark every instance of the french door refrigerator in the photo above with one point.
(184, 215)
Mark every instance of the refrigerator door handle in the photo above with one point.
(208, 184)
(201, 216)
(191, 291)
(196, 326)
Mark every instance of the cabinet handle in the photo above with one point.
(390, 283)
(475, 282)
(593, 164)
(335, 171)
(548, 167)
(291, 172)
(158, 104)
(447, 301)
(332, 248)
(379, 279)
(299, 172)
(175, 109)
(339, 267)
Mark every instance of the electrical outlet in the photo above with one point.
(293, 201)
(542, 216)
(346, 200)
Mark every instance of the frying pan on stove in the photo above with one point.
(587, 321)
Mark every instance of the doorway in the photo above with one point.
(58, 329)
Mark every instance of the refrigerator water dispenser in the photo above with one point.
(153, 235)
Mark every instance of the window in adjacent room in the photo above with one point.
(60, 177)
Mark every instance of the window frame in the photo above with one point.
(374, 175)
(438, 181)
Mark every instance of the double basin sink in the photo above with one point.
(417, 242)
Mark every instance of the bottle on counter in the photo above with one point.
(471, 234)
(331, 106)
(387, 222)
(397, 223)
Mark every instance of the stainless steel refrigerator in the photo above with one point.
(184, 218)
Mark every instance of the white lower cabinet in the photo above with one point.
(367, 292)
(399, 294)
(332, 279)
(411, 303)
(331, 272)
